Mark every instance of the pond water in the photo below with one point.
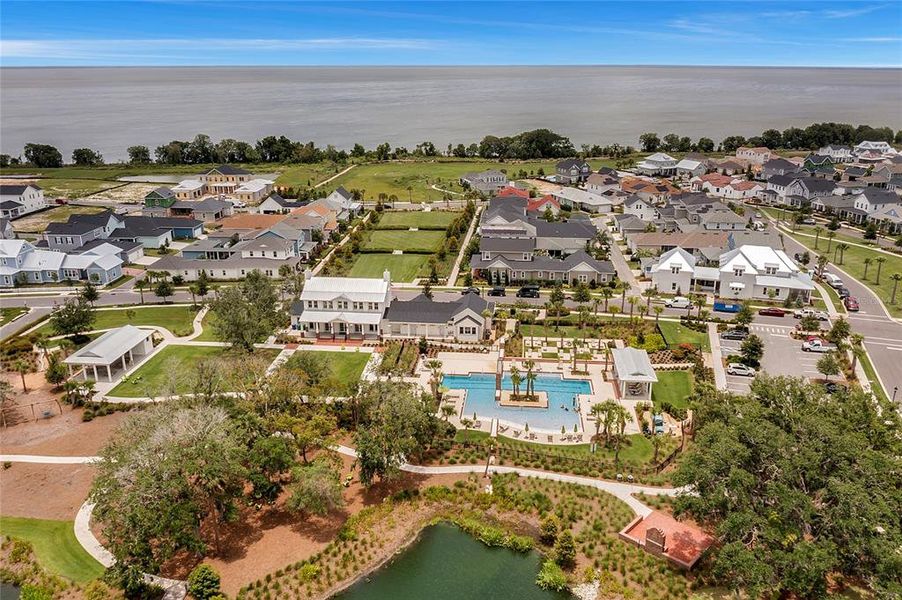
(448, 564)
(8, 592)
(561, 399)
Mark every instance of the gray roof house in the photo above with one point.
(485, 182)
(454, 320)
(572, 170)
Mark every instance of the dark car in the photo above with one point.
(734, 334)
(528, 291)
(471, 290)
(851, 304)
(843, 293)
(772, 311)
(831, 387)
(497, 291)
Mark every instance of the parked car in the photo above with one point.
(772, 311)
(851, 304)
(817, 346)
(498, 290)
(810, 312)
(528, 291)
(727, 307)
(471, 290)
(740, 369)
(678, 302)
(843, 293)
(832, 280)
(238, 203)
(734, 334)
(808, 221)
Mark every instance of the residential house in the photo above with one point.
(18, 200)
(156, 232)
(512, 262)
(21, 263)
(599, 184)
(853, 173)
(572, 171)
(6, 230)
(819, 164)
(189, 189)
(775, 192)
(888, 219)
(871, 200)
(206, 210)
(747, 272)
(81, 229)
(341, 307)
(742, 189)
(695, 242)
(658, 163)
(464, 319)
(485, 182)
(688, 168)
(882, 148)
(655, 191)
(778, 166)
(730, 166)
(576, 199)
(276, 205)
(756, 156)
(161, 198)
(627, 224)
(540, 205)
(802, 190)
(837, 152)
(641, 208)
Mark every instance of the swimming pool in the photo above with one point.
(561, 392)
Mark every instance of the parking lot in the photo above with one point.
(783, 355)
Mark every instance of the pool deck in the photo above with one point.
(464, 363)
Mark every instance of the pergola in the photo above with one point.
(121, 347)
(634, 373)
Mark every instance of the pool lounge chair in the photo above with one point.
(578, 438)
(516, 433)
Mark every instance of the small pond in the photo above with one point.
(447, 564)
(8, 592)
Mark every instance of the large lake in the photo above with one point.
(112, 108)
(448, 564)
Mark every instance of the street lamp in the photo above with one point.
(895, 389)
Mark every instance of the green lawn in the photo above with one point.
(55, 547)
(8, 313)
(156, 373)
(75, 188)
(425, 242)
(675, 333)
(568, 331)
(853, 264)
(673, 387)
(303, 176)
(403, 267)
(833, 297)
(435, 219)
(346, 367)
(176, 319)
(394, 178)
(207, 334)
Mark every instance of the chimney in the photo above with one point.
(308, 274)
(386, 276)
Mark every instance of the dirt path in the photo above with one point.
(336, 176)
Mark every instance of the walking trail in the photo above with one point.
(334, 177)
(455, 271)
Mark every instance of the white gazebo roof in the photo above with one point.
(109, 347)
(632, 364)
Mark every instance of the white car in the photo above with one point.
(678, 302)
(740, 369)
(238, 203)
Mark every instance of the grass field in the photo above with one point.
(155, 373)
(8, 313)
(423, 220)
(347, 367)
(425, 242)
(55, 547)
(853, 264)
(176, 319)
(37, 222)
(673, 387)
(403, 267)
(395, 178)
(675, 334)
(207, 334)
(304, 176)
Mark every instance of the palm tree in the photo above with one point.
(447, 411)
(614, 311)
(633, 300)
(649, 293)
(867, 263)
(22, 367)
(817, 235)
(515, 380)
(598, 411)
(656, 442)
(435, 379)
(624, 288)
(838, 251)
(896, 277)
(531, 376)
(830, 236)
(856, 340)
(699, 302)
(658, 310)
(6, 395)
(821, 264)
(880, 260)
(621, 416)
(583, 315)
(607, 293)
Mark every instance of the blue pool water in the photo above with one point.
(561, 392)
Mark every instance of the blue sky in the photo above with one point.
(821, 33)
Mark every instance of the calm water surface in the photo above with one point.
(447, 564)
(112, 108)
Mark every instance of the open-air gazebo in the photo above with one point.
(633, 372)
(115, 350)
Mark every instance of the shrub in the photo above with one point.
(565, 550)
(97, 590)
(34, 592)
(203, 582)
(549, 529)
(551, 577)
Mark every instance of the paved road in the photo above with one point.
(883, 335)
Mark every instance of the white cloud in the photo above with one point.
(152, 48)
(876, 39)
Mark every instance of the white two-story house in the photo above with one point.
(658, 163)
(645, 210)
(19, 200)
(341, 307)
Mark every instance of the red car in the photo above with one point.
(772, 311)
(851, 304)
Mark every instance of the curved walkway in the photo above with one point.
(334, 177)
